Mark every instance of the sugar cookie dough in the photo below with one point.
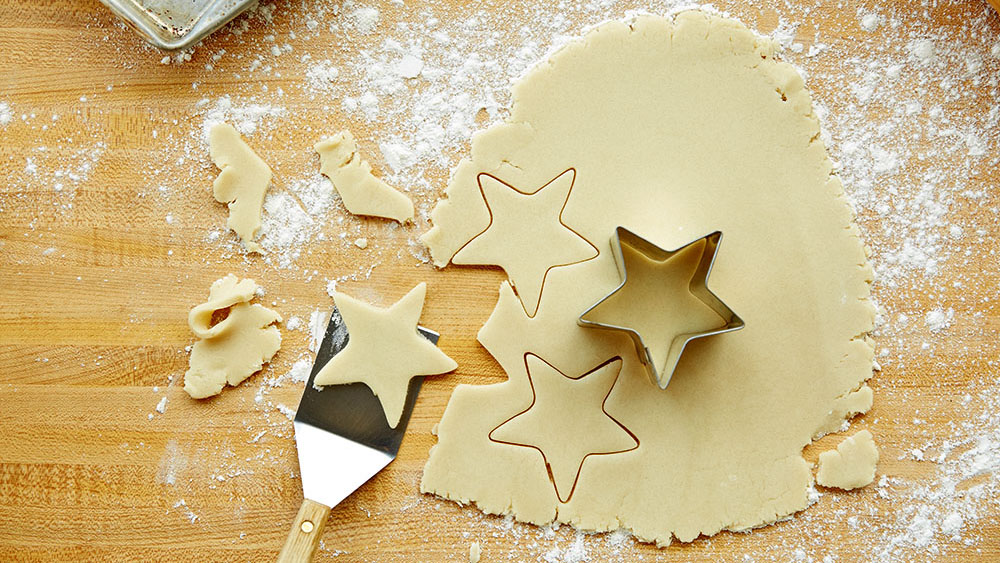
(384, 350)
(565, 442)
(676, 127)
(234, 348)
(242, 182)
(851, 465)
(526, 235)
(361, 192)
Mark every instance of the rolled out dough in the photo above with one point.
(361, 192)
(676, 128)
(851, 465)
(384, 350)
(242, 181)
(234, 348)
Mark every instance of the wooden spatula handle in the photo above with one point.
(307, 529)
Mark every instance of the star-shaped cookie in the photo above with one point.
(566, 421)
(384, 350)
(526, 235)
(663, 301)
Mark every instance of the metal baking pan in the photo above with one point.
(177, 24)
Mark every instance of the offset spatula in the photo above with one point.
(343, 440)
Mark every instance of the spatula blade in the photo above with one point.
(341, 433)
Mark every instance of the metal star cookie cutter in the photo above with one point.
(661, 375)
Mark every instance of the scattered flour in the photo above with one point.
(320, 76)
(939, 319)
(576, 552)
(246, 118)
(6, 115)
(922, 50)
(365, 20)
(172, 463)
(286, 410)
(300, 371)
(317, 329)
(870, 22)
(191, 516)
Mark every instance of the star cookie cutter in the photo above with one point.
(698, 287)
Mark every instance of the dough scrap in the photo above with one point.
(384, 350)
(851, 465)
(526, 235)
(559, 426)
(676, 127)
(361, 192)
(475, 552)
(242, 182)
(234, 348)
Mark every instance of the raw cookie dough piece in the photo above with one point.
(242, 182)
(361, 192)
(676, 127)
(384, 350)
(851, 465)
(234, 348)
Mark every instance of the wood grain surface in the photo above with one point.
(106, 246)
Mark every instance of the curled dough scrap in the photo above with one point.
(361, 192)
(236, 347)
(242, 182)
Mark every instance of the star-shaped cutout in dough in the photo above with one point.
(663, 301)
(526, 235)
(567, 421)
(384, 350)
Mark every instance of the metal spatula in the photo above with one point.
(343, 440)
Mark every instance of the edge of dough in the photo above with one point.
(851, 465)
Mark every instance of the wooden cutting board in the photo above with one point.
(105, 222)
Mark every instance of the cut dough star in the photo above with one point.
(566, 421)
(384, 350)
(663, 300)
(242, 182)
(526, 236)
